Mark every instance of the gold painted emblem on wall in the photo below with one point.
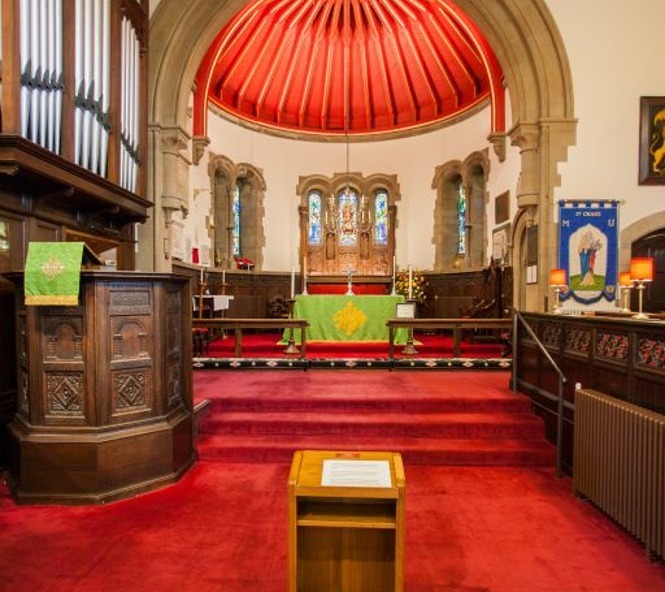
(349, 319)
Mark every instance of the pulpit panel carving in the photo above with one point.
(63, 339)
(130, 298)
(130, 393)
(130, 339)
(65, 394)
(651, 352)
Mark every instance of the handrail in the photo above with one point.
(517, 316)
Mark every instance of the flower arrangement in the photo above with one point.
(243, 262)
(418, 285)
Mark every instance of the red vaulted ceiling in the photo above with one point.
(358, 66)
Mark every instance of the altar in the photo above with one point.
(348, 318)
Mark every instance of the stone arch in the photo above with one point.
(522, 33)
(636, 231)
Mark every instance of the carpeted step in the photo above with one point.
(345, 403)
(423, 425)
(425, 451)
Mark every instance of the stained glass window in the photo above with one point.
(461, 220)
(314, 233)
(381, 218)
(236, 221)
(348, 218)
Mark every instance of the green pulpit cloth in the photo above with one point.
(53, 273)
(348, 318)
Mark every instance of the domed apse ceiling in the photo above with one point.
(356, 67)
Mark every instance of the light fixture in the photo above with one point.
(344, 215)
(558, 282)
(625, 285)
(641, 271)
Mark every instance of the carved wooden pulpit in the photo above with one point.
(104, 406)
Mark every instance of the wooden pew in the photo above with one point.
(457, 325)
(237, 326)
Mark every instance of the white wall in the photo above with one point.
(615, 52)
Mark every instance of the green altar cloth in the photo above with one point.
(348, 318)
(53, 273)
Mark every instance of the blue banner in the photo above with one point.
(588, 249)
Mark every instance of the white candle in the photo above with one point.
(410, 283)
(394, 269)
(223, 276)
(293, 282)
(201, 279)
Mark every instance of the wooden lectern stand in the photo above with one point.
(345, 538)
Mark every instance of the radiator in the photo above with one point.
(619, 464)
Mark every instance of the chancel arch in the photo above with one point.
(238, 192)
(522, 33)
(347, 222)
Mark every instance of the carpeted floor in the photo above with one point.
(223, 527)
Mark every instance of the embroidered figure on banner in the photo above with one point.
(588, 250)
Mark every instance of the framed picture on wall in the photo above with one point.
(652, 141)
(500, 242)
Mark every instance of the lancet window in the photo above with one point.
(459, 233)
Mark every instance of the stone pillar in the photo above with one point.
(168, 187)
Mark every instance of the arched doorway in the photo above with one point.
(521, 32)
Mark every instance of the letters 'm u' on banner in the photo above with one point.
(588, 249)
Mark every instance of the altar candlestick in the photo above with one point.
(410, 283)
(293, 282)
(201, 278)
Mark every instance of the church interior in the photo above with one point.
(332, 295)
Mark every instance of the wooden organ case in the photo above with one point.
(104, 390)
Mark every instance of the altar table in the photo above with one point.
(335, 317)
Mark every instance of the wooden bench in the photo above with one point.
(237, 326)
(457, 325)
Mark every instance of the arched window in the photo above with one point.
(347, 204)
(236, 220)
(314, 232)
(238, 194)
(461, 220)
(381, 218)
(348, 221)
(460, 213)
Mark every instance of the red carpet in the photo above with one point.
(474, 419)
(223, 529)
(223, 526)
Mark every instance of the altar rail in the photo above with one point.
(237, 326)
(457, 325)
